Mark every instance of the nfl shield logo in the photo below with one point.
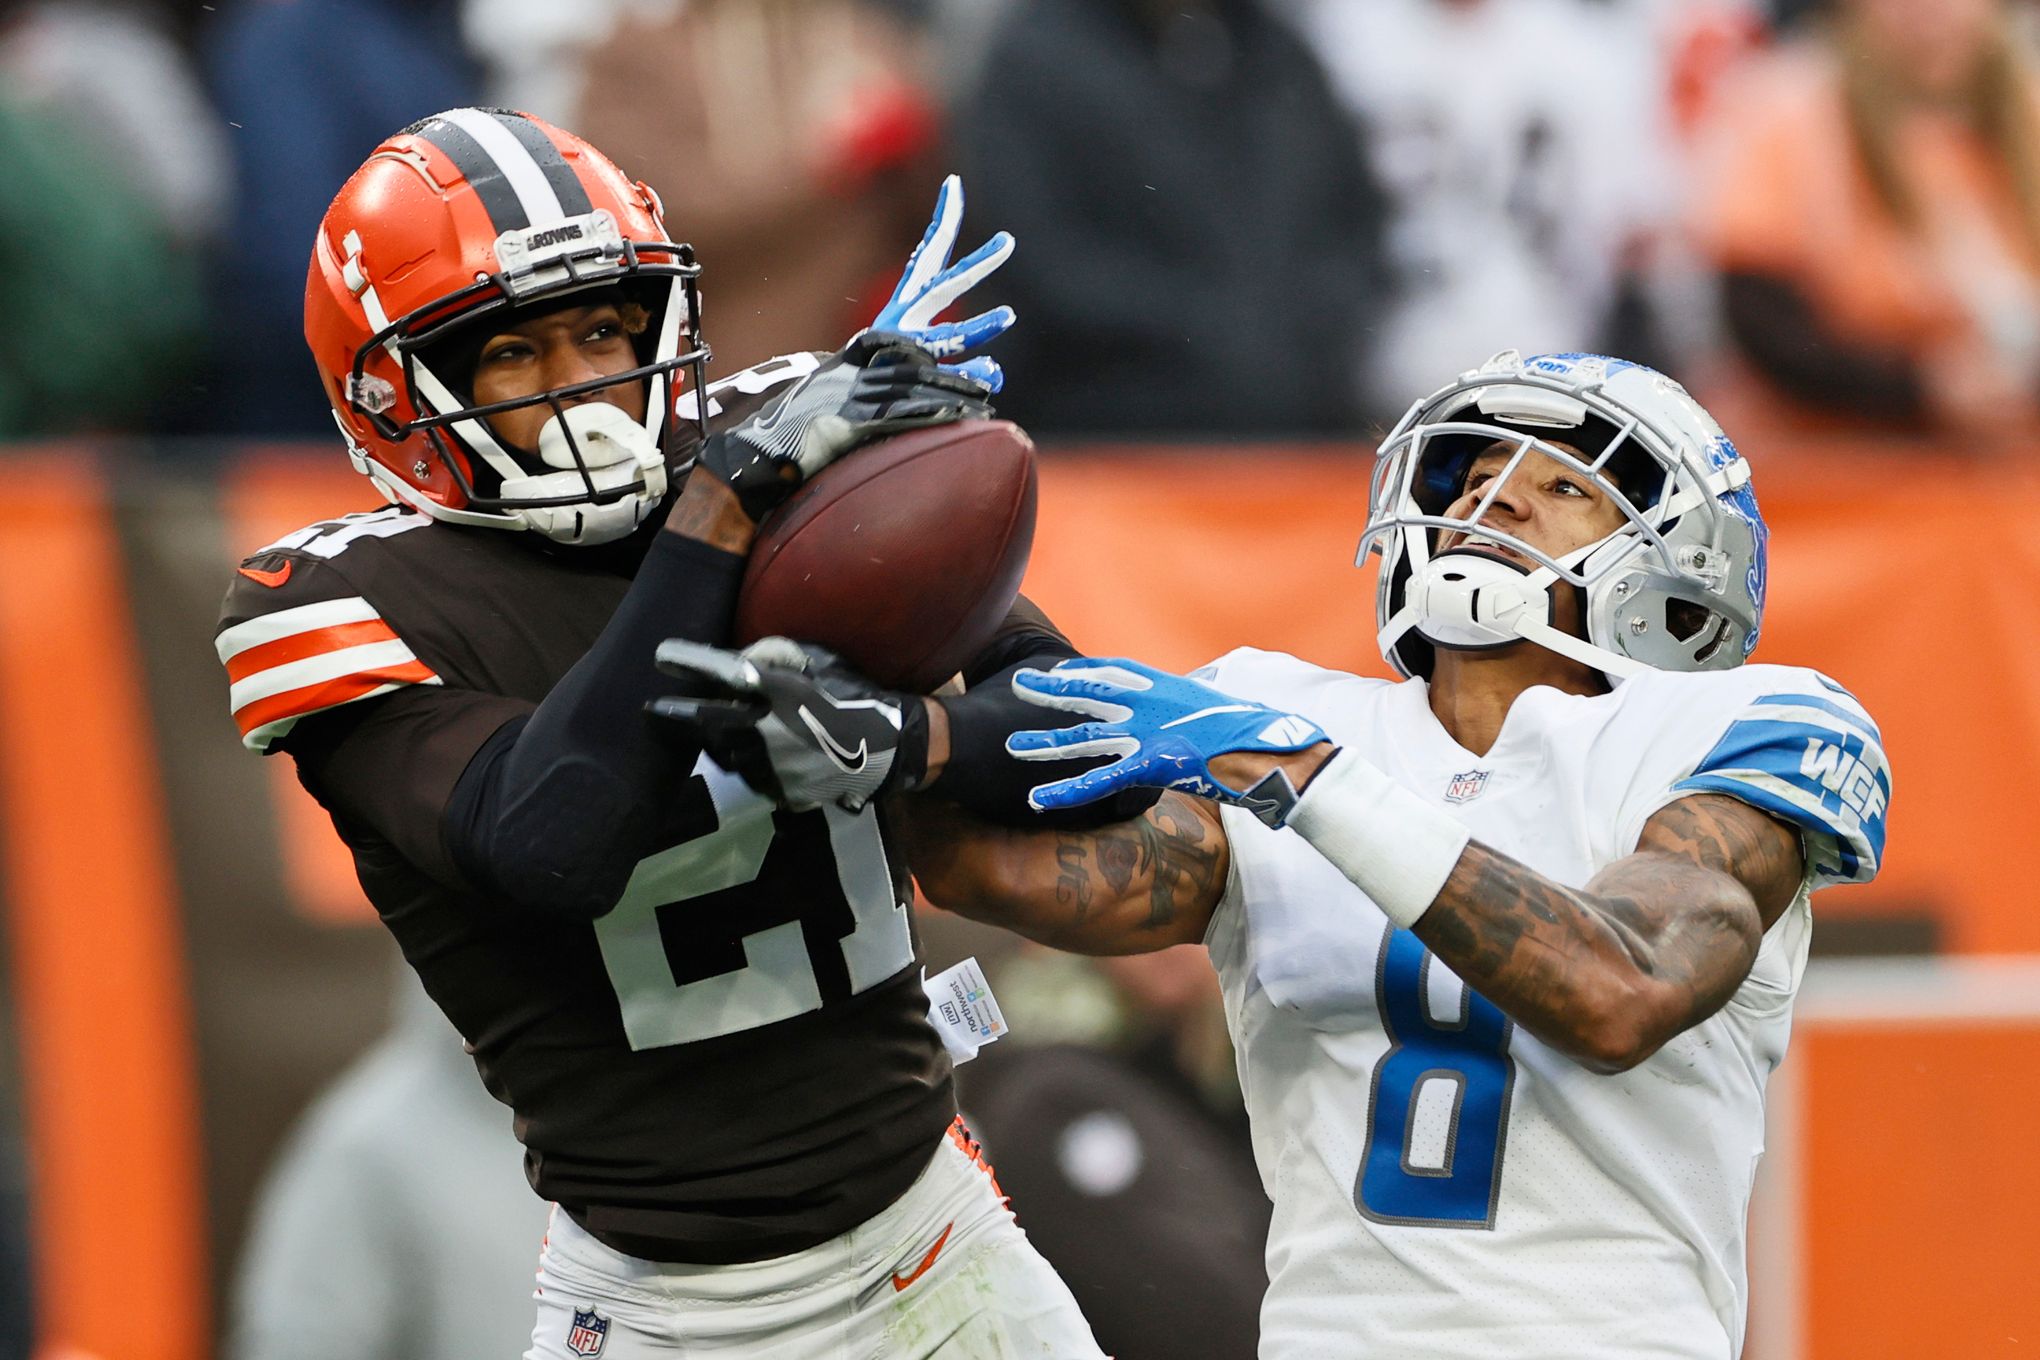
(589, 1332)
(1464, 788)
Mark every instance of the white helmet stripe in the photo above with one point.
(520, 168)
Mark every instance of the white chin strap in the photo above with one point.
(616, 451)
(1470, 600)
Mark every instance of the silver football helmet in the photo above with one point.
(1680, 586)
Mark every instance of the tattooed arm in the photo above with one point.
(1654, 944)
(1126, 888)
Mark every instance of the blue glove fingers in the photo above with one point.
(928, 258)
(1053, 689)
(953, 282)
(947, 338)
(1078, 790)
(983, 369)
(1121, 673)
(1071, 743)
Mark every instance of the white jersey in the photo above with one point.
(1445, 1184)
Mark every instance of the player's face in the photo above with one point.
(1543, 502)
(546, 352)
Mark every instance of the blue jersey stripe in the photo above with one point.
(1855, 718)
(1790, 750)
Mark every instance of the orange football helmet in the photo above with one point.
(469, 214)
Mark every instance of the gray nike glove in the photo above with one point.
(878, 384)
(794, 723)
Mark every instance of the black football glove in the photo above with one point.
(794, 723)
(803, 729)
(879, 384)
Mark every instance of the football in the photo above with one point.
(902, 557)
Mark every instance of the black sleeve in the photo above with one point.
(1775, 324)
(388, 766)
(555, 811)
(980, 776)
(1028, 637)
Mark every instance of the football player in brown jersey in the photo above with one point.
(704, 1012)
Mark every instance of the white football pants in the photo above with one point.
(943, 1273)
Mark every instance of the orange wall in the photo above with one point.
(1919, 1183)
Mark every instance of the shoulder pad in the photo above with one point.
(1804, 750)
(296, 637)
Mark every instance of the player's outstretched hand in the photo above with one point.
(930, 284)
(790, 720)
(878, 384)
(1163, 729)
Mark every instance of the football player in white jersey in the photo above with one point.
(1508, 948)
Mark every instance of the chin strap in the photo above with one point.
(599, 444)
(1466, 601)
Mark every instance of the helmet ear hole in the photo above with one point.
(1684, 619)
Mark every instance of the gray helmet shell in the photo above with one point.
(1679, 586)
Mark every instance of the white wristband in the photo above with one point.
(1394, 846)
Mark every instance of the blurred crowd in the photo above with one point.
(1237, 218)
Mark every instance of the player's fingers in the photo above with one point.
(986, 326)
(1070, 743)
(946, 339)
(888, 387)
(984, 370)
(909, 415)
(781, 652)
(697, 662)
(1098, 677)
(953, 282)
(1122, 671)
(1078, 790)
(709, 716)
(1051, 690)
(902, 380)
(933, 252)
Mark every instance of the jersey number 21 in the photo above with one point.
(768, 969)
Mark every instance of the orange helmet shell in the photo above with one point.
(469, 211)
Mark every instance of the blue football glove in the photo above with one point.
(930, 284)
(1164, 730)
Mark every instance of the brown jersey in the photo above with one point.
(733, 1063)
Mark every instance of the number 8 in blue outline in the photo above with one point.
(1473, 1052)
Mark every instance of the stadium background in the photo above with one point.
(187, 962)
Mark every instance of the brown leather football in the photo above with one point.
(903, 556)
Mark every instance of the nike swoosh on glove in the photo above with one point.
(1164, 729)
(791, 721)
(878, 384)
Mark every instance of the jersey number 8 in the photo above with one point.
(1440, 1104)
